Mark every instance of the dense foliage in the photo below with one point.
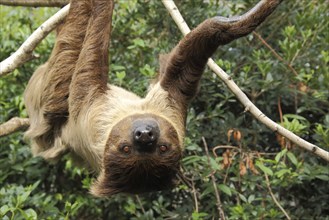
(260, 170)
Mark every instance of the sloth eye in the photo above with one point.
(163, 148)
(126, 149)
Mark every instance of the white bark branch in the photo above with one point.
(24, 53)
(13, 125)
(249, 106)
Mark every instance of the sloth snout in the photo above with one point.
(146, 135)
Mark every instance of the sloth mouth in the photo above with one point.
(136, 176)
(145, 177)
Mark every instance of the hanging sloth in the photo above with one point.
(134, 144)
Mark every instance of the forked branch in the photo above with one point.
(249, 106)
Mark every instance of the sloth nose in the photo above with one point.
(146, 134)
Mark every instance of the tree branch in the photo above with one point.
(13, 125)
(195, 196)
(249, 106)
(24, 53)
(273, 197)
(35, 3)
(219, 203)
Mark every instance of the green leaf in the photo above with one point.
(292, 158)
(191, 159)
(75, 207)
(198, 215)
(209, 189)
(292, 116)
(4, 209)
(117, 67)
(214, 165)
(34, 185)
(323, 177)
(251, 198)
(225, 189)
(265, 169)
(120, 75)
(139, 42)
(280, 173)
(29, 214)
(68, 206)
(243, 198)
(22, 197)
(280, 155)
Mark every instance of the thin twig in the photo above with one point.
(184, 179)
(273, 197)
(195, 196)
(275, 53)
(219, 203)
(140, 204)
(237, 148)
(280, 109)
(298, 51)
(189, 182)
(223, 147)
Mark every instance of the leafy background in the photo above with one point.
(293, 76)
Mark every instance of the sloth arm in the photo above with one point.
(89, 80)
(62, 61)
(181, 70)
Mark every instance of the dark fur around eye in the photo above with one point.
(163, 148)
(126, 149)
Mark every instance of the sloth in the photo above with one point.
(134, 144)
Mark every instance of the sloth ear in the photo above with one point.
(163, 60)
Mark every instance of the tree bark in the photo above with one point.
(13, 125)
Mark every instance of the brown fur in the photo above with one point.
(72, 108)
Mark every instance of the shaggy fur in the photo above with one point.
(73, 109)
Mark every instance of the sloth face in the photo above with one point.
(142, 155)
